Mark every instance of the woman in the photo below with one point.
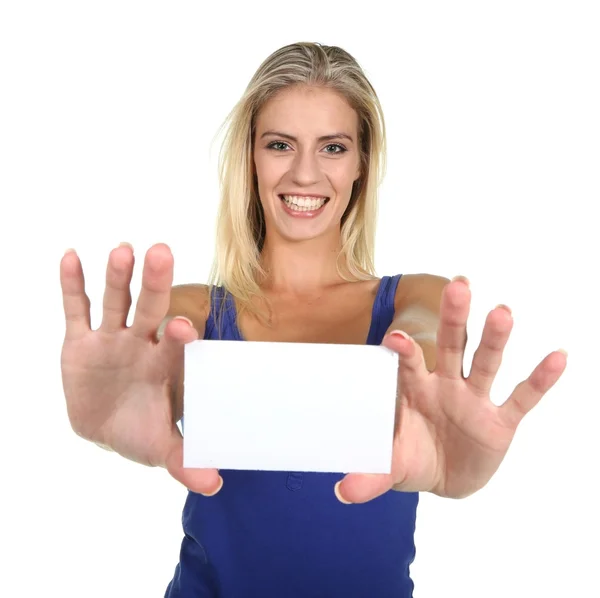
(300, 168)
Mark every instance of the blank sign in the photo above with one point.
(289, 406)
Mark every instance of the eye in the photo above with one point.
(277, 143)
(339, 147)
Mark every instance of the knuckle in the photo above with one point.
(484, 368)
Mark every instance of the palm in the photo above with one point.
(128, 410)
(459, 443)
(450, 438)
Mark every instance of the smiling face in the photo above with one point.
(307, 157)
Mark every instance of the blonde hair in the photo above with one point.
(240, 223)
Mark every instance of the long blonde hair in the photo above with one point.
(240, 224)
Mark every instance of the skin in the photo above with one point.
(123, 386)
(305, 166)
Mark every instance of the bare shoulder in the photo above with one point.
(191, 301)
(423, 290)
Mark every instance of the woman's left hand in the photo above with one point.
(450, 438)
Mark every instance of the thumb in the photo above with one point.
(203, 481)
(362, 487)
(176, 331)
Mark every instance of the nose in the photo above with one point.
(305, 168)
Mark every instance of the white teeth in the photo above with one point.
(303, 204)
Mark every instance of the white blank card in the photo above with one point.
(289, 406)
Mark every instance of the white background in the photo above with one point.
(107, 114)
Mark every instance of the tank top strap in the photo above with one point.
(221, 321)
(383, 309)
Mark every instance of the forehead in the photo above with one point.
(308, 110)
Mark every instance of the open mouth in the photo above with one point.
(303, 204)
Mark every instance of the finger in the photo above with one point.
(452, 329)
(155, 296)
(412, 369)
(75, 301)
(528, 393)
(117, 294)
(202, 481)
(357, 488)
(173, 334)
(488, 356)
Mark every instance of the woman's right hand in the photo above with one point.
(122, 385)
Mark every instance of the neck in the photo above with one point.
(300, 267)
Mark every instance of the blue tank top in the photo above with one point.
(284, 534)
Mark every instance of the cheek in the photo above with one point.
(343, 174)
(267, 169)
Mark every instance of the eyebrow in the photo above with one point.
(322, 138)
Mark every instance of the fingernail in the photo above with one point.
(217, 490)
(400, 333)
(70, 250)
(336, 489)
(503, 306)
(184, 319)
(564, 352)
(463, 279)
(126, 244)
